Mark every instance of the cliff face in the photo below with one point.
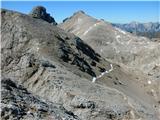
(60, 68)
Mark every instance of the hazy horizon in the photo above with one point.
(114, 12)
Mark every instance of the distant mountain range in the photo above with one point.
(150, 29)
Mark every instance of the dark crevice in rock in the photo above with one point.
(86, 105)
(47, 64)
(33, 73)
(93, 63)
(102, 69)
(10, 83)
(72, 114)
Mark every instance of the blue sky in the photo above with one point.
(113, 11)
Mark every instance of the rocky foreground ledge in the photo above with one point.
(17, 103)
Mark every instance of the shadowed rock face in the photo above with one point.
(59, 66)
(39, 12)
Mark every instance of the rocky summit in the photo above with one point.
(49, 73)
(39, 12)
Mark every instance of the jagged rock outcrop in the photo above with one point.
(17, 103)
(59, 67)
(39, 12)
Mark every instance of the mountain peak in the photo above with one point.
(79, 12)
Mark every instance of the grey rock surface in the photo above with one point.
(59, 67)
(17, 104)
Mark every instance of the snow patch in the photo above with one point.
(37, 48)
(120, 30)
(103, 73)
(111, 67)
(117, 38)
(149, 82)
(90, 28)
(94, 79)
(29, 112)
(87, 30)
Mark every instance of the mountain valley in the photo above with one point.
(81, 69)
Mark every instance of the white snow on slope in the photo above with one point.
(87, 30)
(120, 30)
(102, 74)
(149, 82)
(118, 36)
(90, 28)
(94, 79)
